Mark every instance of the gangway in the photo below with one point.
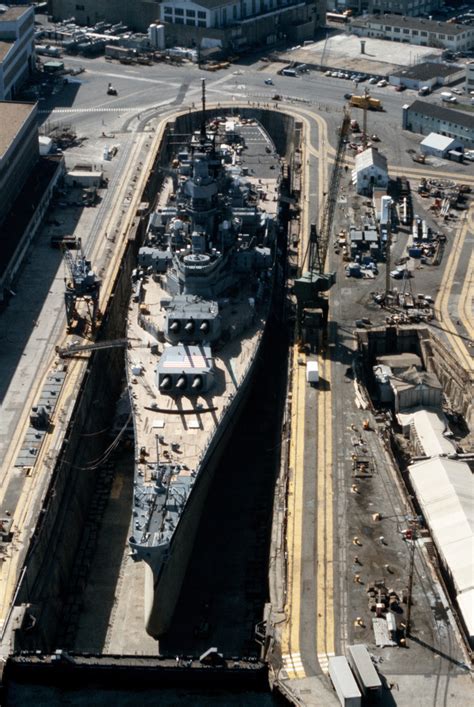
(74, 349)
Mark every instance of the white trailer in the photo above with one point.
(364, 670)
(312, 372)
(344, 682)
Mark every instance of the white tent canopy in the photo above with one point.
(445, 492)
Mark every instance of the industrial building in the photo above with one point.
(415, 30)
(402, 7)
(425, 118)
(428, 73)
(379, 7)
(17, 57)
(370, 171)
(138, 15)
(440, 146)
(19, 149)
(26, 186)
(402, 382)
(227, 24)
(415, 388)
(469, 78)
(445, 493)
(233, 24)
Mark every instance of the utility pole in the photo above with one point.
(388, 245)
(364, 119)
(410, 579)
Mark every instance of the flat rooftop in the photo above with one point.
(12, 118)
(418, 23)
(429, 70)
(14, 12)
(382, 57)
(5, 48)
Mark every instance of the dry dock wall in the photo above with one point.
(50, 559)
(43, 587)
(436, 357)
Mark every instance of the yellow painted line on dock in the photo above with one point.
(21, 519)
(466, 301)
(291, 634)
(324, 530)
(442, 301)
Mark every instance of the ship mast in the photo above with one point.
(203, 99)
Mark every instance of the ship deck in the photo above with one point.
(178, 430)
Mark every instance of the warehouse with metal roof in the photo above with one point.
(445, 492)
(425, 118)
(428, 431)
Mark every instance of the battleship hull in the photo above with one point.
(201, 301)
(163, 586)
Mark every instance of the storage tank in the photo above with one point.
(386, 202)
(160, 37)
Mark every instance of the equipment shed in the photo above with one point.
(439, 145)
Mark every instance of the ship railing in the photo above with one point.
(226, 406)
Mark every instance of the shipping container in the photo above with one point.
(364, 670)
(344, 682)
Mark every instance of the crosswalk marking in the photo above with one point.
(323, 660)
(124, 109)
(293, 665)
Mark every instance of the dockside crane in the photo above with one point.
(81, 285)
(309, 289)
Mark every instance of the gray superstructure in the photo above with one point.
(201, 297)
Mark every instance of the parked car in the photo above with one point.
(458, 91)
(372, 80)
(382, 83)
(269, 82)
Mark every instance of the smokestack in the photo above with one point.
(362, 46)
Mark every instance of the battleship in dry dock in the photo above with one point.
(202, 295)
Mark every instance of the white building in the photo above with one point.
(439, 145)
(469, 78)
(427, 73)
(370, 171)
(236, 24)
(415, 30)
(425, 118)
(16, 48)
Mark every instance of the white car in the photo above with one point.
(457, 90)
(373, 80)
(382, 83)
